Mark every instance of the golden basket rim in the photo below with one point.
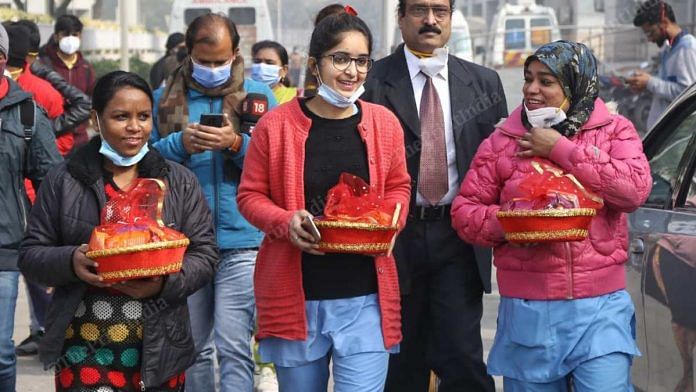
(324, 224)
(550, 213)
(545, 235)
(138, 248)
(129, 273)
(367, 247)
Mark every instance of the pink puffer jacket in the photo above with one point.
(607, 157)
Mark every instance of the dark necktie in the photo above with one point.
(433, 183)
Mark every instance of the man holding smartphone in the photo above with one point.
(197, 124)
(677, 69)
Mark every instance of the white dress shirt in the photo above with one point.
(441, 83)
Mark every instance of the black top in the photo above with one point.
(334, 147)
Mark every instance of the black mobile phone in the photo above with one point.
(212, 120)
(308, 224)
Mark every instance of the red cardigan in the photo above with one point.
(272, 190)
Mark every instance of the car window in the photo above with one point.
(541, 31)
(243, 15)
(664, 164)
(690, 202)
(515, 34)
(192, 13)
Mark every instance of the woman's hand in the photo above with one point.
(84, 267)
(141, 288)
(300, 237)
(538, 142)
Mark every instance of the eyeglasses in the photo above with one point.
(341, 61)
(421, 11)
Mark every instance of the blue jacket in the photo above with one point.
(233, 231)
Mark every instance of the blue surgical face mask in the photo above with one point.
(211, 77)
(117, 158)
(335, 98)
(265, 73)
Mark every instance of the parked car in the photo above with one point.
(661, 269)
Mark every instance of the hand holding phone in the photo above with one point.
(212, 120)
(309, 226)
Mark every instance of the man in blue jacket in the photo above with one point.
(211, 80)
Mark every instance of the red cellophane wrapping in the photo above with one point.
(357, 219)
(553, 206)
(132, 242)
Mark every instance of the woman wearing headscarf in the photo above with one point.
(564, 312)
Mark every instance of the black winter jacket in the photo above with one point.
(42, 156)
(68, 207)
(77, 103)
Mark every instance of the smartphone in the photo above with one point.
(308, 224)
(212, 119)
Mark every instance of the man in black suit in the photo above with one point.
(446, 106)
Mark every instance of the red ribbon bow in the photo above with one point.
(350, 10)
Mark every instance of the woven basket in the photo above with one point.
(354, 237)
(140, 261)
(552, 225)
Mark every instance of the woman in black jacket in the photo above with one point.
(135, 334)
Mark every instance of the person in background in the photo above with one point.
(271, 67)
(19, 159)
(296, 66)
(162, 68)
(48, 98)
(311, 83)
(43, 93)
(317, 308)
(132, 335)
(62, 54)
(677, 69)
(77, 104)
(447, 106)
(211, 80)
(564, 311)
(75, 110)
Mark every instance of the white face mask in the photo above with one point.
(69, 44)
(431, 66)
(335, 98)
(544, 117)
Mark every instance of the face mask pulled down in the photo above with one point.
(544, 117)
(119, 160)
(335, 98)
(431, 66)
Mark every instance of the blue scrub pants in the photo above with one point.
(361, 372)
(609, 373)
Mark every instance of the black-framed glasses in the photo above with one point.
(341, 61)
(421, 11)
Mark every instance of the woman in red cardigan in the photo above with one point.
(315, 307)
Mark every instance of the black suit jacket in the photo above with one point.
(478, 103)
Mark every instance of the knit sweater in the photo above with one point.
(272, 190)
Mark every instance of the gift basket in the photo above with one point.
(132, 242)
(357, 220)
(553, 206)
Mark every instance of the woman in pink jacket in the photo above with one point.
(564, 310)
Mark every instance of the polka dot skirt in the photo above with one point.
(102, 348)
